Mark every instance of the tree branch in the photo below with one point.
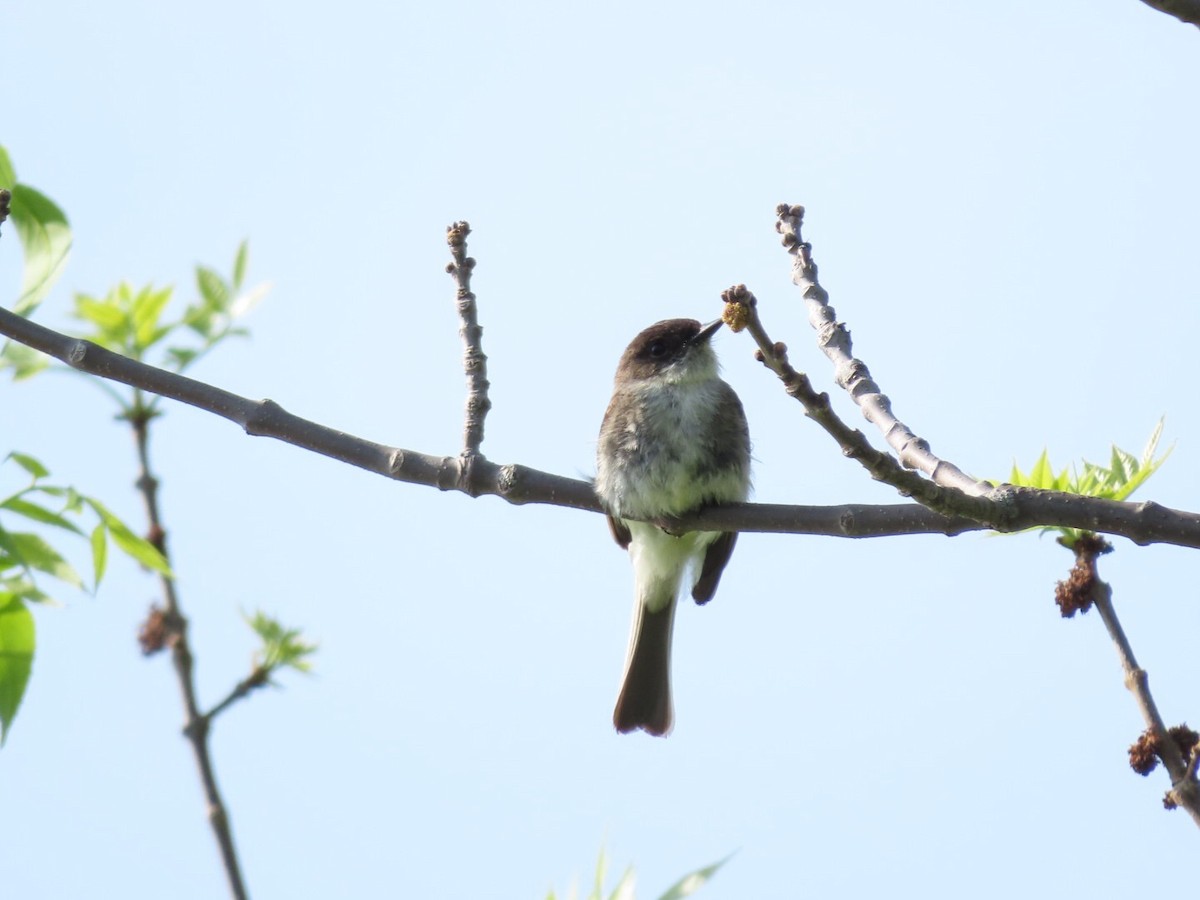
(1084, 588)
(852, 374)
(741, 311)
(1012, 509)
(196, 725)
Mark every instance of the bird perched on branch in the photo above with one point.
(674, 439)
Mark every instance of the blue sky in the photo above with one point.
(1002, 205)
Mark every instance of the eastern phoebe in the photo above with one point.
(674, 439)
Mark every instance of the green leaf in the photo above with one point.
(180, 357)
(24, 589)
(624, 888)
(8, 177)
(25, 362)
(281, 646)
(99, 552)
(1122, 466)
(147, 309)
(212, 287)
(1152, 445)
(1124, 475)
(239, 265)
(38, 513)
(17, 639)
(130, 544)
(45, 240)
(692, 882)
(10, 556)
(33, 551)
(597, 892)
(138, 548)
(105, 314)
(29, 464)
(1041, 475)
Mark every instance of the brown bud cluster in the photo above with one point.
(153, 634)
(1075, 594)
(1143, 753)
(1146, 751)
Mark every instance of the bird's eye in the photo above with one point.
(658, 349)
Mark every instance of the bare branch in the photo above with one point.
(1012, 509)
(1006, 508)
(265, 418)
(741, 311)
(852, 373)
(1084, 586)
(1184, 10)
(474, 359)
(196, 725)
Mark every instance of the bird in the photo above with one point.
(674, 439)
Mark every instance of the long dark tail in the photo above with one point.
(645, 698)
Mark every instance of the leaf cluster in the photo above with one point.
(26, 556)
(127, 320)
(44, 234)
(1123, 475)
(281, 647)
(134, 321)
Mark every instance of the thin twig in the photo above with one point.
(259, 678)
(741, 311)
(852, 373)
(1014, 508)
(471, 332)
(196, 725)
(1085, 583)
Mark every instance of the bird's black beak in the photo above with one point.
(708, 331)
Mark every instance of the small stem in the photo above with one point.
(244, 688)
(742, 309)
(196, 726)
(471, 332)
(1183, 785)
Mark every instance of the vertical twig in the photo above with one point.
(196, 725)
(474, 359)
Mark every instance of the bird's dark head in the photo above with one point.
(672, 351)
